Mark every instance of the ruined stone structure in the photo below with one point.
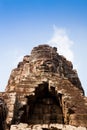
(43, 93)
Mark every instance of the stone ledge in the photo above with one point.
(23, 126)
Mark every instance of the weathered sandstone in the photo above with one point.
(43, 92)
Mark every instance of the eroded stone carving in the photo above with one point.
(44, 89)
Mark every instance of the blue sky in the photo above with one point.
(28, 23)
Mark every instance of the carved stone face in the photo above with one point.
(45, 65)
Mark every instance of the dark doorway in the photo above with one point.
(44, 107)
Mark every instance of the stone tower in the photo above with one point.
(43, 93)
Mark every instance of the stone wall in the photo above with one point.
(44, 89)
(3, 113)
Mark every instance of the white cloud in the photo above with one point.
(61, 40)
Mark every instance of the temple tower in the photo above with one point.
(44, 90)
